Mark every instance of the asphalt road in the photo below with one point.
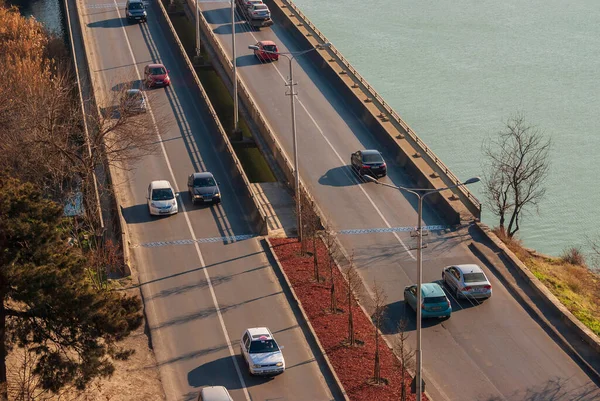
(490, 351)
(199, 296)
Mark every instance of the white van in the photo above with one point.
(214, 393)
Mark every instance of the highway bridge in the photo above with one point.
(201, 295)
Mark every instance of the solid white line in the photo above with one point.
(189, 224)
(353, 179)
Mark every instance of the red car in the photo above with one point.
(265, 51)
(156, 75)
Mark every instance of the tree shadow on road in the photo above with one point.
(555, 389)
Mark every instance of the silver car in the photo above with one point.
(134, 101)
(467, 281)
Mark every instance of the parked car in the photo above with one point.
(161, 198)
(434, 302)
(203, 188)
(133, 101)
(135, 10)
(156, 75)
(265, 49)
(369, 162)
(261, 352)
(467, 281)
(214, 393)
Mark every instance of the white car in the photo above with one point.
(161, 198)
(214, 393)
(467, 281)
(261, 352)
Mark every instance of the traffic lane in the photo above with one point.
(303, 152)
(182, 320)
(251, 296)
(191, 315)
(483, 341)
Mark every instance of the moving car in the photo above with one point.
(203, 188)
(369, 162)
(467, 281)
(259, 11)
(156, 75)
(161, 198)
(261, 352)
(134, 101)
(214, 393)
(135, 10)
(265, 49)
(435, 303)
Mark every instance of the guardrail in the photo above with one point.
(392, 115)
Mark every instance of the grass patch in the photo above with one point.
(574, 284)
(254, 164)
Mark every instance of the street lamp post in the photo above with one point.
(420, 193)
(236, 134)
(197, 31)
(291, 56)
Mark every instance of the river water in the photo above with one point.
(456, 70)
(48, 12)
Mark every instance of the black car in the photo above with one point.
(368, 162)
(203, 188)
(135, 10)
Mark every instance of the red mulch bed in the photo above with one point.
(354, 366)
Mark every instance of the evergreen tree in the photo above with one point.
(46, 301)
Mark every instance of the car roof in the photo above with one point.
(155, 65)
(205, 174)
(257, 332)
(215, 393)
(432, 290)
(469, 268)
(160, 184)
(267, 42)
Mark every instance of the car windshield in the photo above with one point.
(270, 48)
(134, 95)
(162, 194)
(372, 158)
(262, 346)
(136, 6)
(434, 300)
(204, 182)
(474, 277)
(157, 71)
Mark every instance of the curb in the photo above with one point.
(309, 325)
(545, 295)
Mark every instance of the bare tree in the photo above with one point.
(404, 353)
(312, 226)
(518, 164)
(379, 305)
(330, 244)
(353, 285)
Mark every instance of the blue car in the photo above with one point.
(434, 300)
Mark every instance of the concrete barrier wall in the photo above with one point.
(425, 168)
(241, 184)
(268, 137)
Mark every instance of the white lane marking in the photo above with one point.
(227, 239)
(189, 224)
(353, 179)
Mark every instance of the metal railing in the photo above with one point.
(392, 115)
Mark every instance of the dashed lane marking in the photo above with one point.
(243, 237)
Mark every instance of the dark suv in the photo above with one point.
(136, 11)
(368, 162)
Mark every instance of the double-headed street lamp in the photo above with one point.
(291, 56)
(420, 193)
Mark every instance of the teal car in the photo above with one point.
(434, 303)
